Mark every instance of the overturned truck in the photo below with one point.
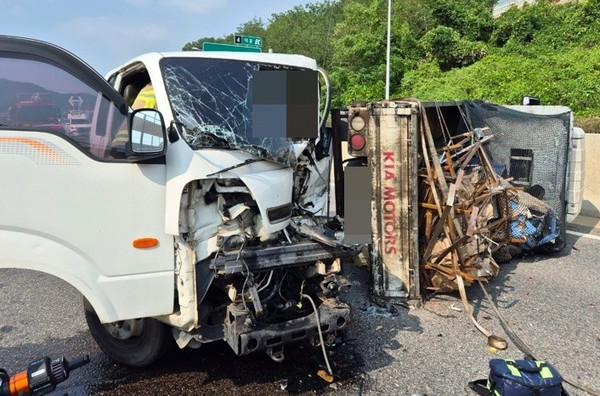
(456, 187)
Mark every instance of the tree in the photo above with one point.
(444, 45)
(361, 44)
(306, 30)
(254, 27)
(470, 18)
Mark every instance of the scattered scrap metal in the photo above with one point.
(471, 217)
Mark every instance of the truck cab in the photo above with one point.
(180, 222)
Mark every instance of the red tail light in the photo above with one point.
(357, 141)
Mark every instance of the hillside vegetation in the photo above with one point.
(447, 50)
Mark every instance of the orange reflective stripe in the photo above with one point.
(32, 143)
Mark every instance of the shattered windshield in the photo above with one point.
(212, 99)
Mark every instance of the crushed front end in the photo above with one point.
(263, 272)
(271, 292)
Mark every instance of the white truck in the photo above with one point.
(199, 231)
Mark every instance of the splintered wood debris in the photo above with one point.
(468, 213)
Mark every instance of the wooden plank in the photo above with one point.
(430, 173)
(496, 223)
(449, 249)
(449, 272)
(451, 195)
(450, 165)
(487, 164)
(432, 207)
(439, 173)
(428, 222)
(472, 225)
(463, 162)
(439, 225)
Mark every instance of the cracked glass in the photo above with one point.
(212, 100)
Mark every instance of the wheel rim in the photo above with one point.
(125, 329)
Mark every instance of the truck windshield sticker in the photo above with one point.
(212, 98)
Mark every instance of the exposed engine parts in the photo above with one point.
(254, 287)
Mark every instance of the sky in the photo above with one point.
(107, 33)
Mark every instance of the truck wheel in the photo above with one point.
(136, 342)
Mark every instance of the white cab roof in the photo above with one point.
(299, 61)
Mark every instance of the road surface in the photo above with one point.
(553, 302)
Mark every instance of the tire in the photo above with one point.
(151, 340)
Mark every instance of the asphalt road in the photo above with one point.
(552, 302)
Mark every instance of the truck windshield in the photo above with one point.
(212, 99)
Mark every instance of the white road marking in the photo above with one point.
(581, 234)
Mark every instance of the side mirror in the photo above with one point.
(147, 132)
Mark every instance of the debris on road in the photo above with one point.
(377, 311)
(472, 218)
(283, 384)
(325, 376)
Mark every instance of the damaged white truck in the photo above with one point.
(193, 227)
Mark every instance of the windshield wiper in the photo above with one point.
(247, 162)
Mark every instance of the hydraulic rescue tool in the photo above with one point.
(41, 376)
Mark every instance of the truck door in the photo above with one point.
(73, 207)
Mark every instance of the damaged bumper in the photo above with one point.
(262, 296)
(333, 316)
(267, 258)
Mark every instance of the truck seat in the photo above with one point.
(130, 93)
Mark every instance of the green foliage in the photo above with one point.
(590, 12)
(562, 78)
(254, 27)
(518, 26)
(445, 49)
(588, 124)
(546, 50)
(360, 47)
(470, 18)
(305, 30)
(441, 44)
(445, 45)
(359, 58)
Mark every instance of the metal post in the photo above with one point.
(387, 63)
(338, 170)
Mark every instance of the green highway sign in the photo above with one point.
(252, 41)
(228, 47)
